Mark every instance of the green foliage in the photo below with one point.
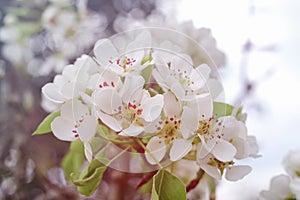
(45, 125)
(73, 160)
(222, 109)
(146, 73)
(90, 178)
(167, 187)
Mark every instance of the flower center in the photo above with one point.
(170, 130)
(130, 114)
(210, 129)
(219, 164)
(126, 63)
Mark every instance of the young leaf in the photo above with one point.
(222, 109)
(45, 125)
(167, 187)
(90, 178)
(146, 73)
(73, 160)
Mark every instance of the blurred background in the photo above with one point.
(255, 45)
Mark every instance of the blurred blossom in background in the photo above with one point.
(255, 45)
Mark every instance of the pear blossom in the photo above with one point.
(291, 163)
(170, 133)
(203, 36)
(75, 122)
(129, 111)
(70, 83)
(216, 168)
(222, 141)
(179, 76)
(124, 61)
(295, 187)
(279, 189)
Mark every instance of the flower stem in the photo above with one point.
(147, 150)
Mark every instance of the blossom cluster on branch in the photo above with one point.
(46, 36)
(139, 105)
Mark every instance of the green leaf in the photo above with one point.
(45, 125)
(167, 187)
(90, 178)
(146, 73)
(222, 109)
(73, 160)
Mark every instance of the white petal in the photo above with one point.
(172, 106)
(202, 105)
(132, 89)
(152, 108)
(142, 41)
(105, 51)
(238, 172)
(242, 147)
(179, 149)
(87, 128)
(189, 122)
(202, 152)
(51, 92)
(280, 185)
(132, 130)
(158, 78)
(62, 129)
(161, 65)
(212, 171)
(215, 88)
(224, 151)
(108, 100)
(199, 76)
(110, 121)
(178, 90)
(183, 63)
(157, 149)
(154, 126)
(88, 151)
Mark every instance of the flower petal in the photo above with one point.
(132, 130)
(152, 108)
(199, 76)
(189, 122)
(51, 92)
(182, 63)
(108, 100)
(280, 185)
(179, 149)
(87, 128)
(224, 151)
(88, 152)
(157, 149)
(62, 129)
(212, 171)
(105, 51)
(110, 121)
(202, 105)
(132, 89)
(238, 172)
(172, 106)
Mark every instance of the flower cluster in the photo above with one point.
(285, 186)
(203, 36)
(161, 99)
(62, 32)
